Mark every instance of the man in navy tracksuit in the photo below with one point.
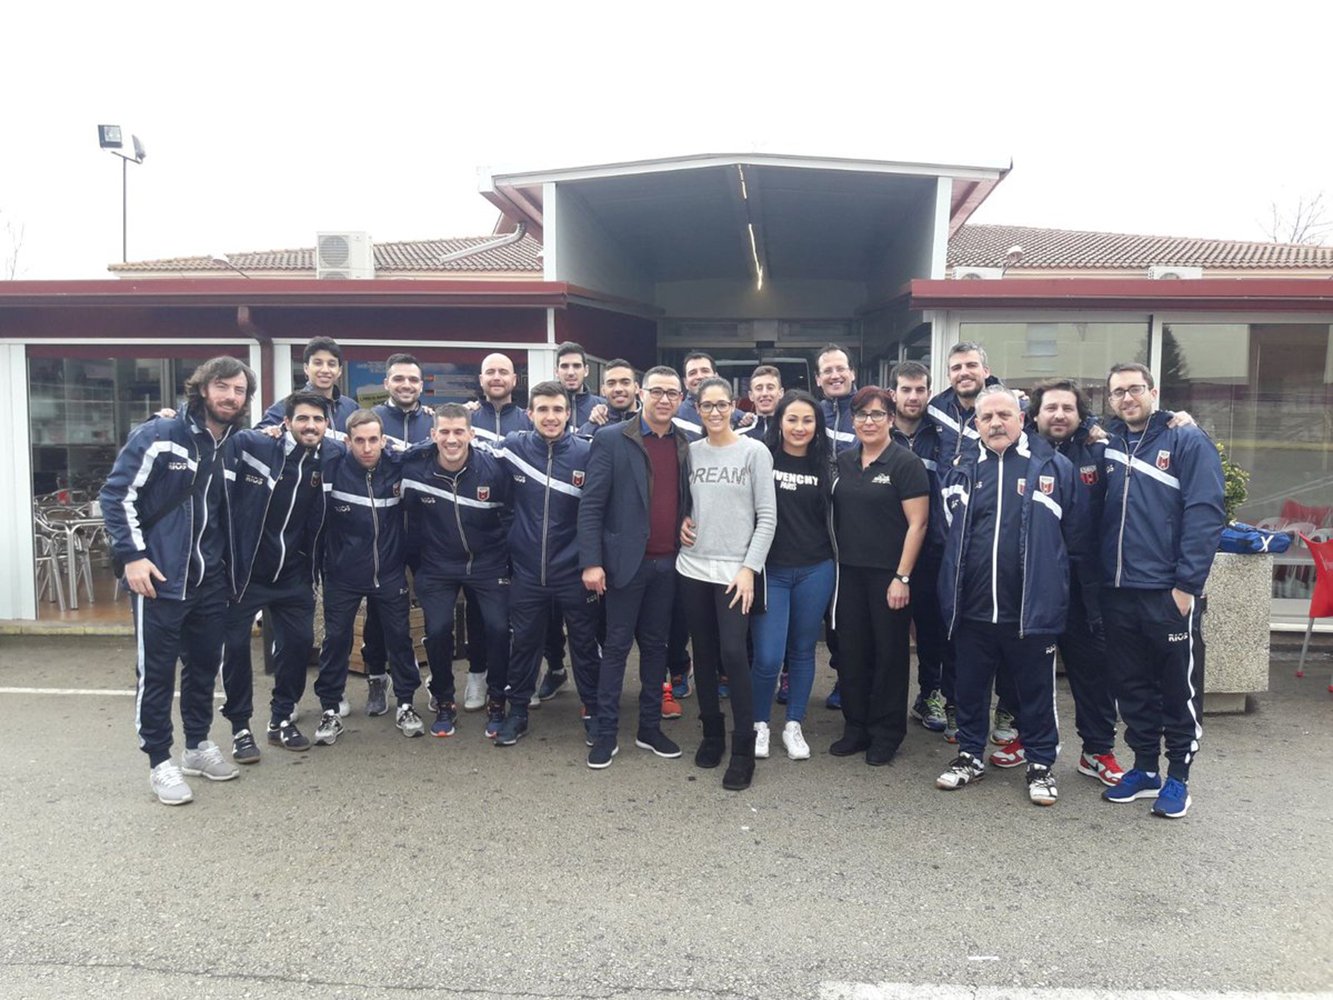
(362, 558)
(622, 399)
(276, 499)
(406, 422)
(165, 514)
(549, 468)
(909, 384)
(1159, 532)
(765, 394)
(456, 499)
(1004, 584)
(1059, 411)
(628, 535)
(323, 360)
(571, 368)
(836, 379)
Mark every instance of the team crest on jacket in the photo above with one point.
(314, 480)
(1022, 487)
(397, 488)
(1047, 484)
(1089, 474)
(483, 493)
(1163, 460)
(578, 478)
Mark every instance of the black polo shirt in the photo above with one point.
(868, 505)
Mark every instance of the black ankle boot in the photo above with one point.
(740, 769)
(714, 743)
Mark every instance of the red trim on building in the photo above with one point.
(1146, 294)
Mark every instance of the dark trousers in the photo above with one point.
(373, 653)
(530, 611)
(1157, 675)
(934, 653)
(718, 635)
(678, 642)
(490, 598)
(165, 630)
(874, 658)
(478, 647)
(289, 614)
(639, 610)
(1083, 651)
(391, 606)
(984, 649)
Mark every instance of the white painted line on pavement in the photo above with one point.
(833, 990)
(83, 692)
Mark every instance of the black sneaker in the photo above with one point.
(602, 751)
(513, 729)
(244, 750)
(285, 734)
(551, 683)
(377, 698)
(656, 741)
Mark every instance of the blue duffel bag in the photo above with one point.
(1248, 540)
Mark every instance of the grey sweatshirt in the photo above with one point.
(734, 510)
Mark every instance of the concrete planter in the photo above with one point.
(1235, 630)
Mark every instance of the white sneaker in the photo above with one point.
(207, 760)
(474, 693)
(761, 741)
(794, 740)
(296, 713)
(409, 722)
(168, 784)
(344, 708)
(330, 728)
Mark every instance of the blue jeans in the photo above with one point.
(797, 597)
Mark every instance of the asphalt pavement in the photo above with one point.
(384, 867)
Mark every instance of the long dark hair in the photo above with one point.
(819, 453)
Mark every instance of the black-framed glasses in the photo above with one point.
(870, 416)
(1130, 390)
(657, 392)
(715, 406)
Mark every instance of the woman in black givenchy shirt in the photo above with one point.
(880, 508)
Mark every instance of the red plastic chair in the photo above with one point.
(1321, 601)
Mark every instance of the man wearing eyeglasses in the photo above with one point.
(1159, 531)
(629, 520)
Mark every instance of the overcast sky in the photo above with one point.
(265, 122)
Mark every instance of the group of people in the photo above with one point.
(999, 527)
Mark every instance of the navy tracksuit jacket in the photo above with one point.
(405, 428)
(491, 425)
(956, 424)
(1159, 530)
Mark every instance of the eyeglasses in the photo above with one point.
(715, 406)
(657, 392)
(870, 416)
(1130, 390)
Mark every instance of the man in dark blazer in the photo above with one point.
(629, 533)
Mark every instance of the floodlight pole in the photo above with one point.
(125, 162)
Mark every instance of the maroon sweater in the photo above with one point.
(663, 510)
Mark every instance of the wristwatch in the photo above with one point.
(902, 578)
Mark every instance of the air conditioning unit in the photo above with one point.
(344, 255)
(1175, 273)
(973, 273)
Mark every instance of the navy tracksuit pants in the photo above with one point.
(340, 606)
(984, 649)
(289, 610)
(165, 630)
(1157, 675)
(488, 599)
(934, 652)
(530, 612)
(639, 610)
(1083, 650)
(478, 646)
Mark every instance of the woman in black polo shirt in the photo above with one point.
(880, 508)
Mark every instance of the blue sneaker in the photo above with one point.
(495, 718)
(446, 717)
(680, 684)
(512, 730)
(784, 689)
(1135, 784)
(1173, 801)
(834, 700)
(723, 688)
(551, 684)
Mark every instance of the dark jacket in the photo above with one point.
(838, 423)
(1047, 523)
(404, 428)
(1088, 459)
(256, 464)
(490, 424)
(147, 499)
(580, 406)
(1164, 510)
(548, 482)
(341, 407)
(955, 423)
(614, 510)
(457, 522)
(925, 445)
(613, 416)
(362, 546)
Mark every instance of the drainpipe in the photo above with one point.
(503, 241)
(246, 324)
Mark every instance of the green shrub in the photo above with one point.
(1235, 488)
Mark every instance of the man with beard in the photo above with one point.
(909, 384)
(622, 398)
(164, 510)
(276, 502)
(406, 421)
(571, 367)
(323, 361)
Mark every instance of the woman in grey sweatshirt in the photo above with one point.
(726, 540)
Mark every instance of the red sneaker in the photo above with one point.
(1010, 755)
(1102, 766)
(670, 706)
